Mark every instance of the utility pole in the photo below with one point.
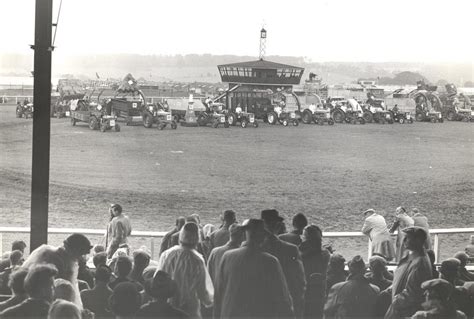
(41, 123)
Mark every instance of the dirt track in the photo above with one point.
(329, 173)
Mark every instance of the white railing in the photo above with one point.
(158, 235)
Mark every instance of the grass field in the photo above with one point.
(329, 173)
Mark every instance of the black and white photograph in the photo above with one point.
(236, 159)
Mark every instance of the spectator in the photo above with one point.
(61, 309)
(100, 259)
(412, 271)
(438, 303)
(470, 248)
(148, 274)
(432, 257)
(221, 236)
(402, 221)
(464, 274)
(63, 289)
(39, 285)
(355, 297)
(289, 257)
(336, 272)
(207, 230)
(85, 274)
(378, 267)
(236, 237)
(97, 298)
(141, 260)
(161, 287)
(187, 267)
(16, 245)
(294, 237)
(65, 258)
(422, 221)
(122, 270)
(175, 237)
(118, 229)
(125, 300)
(449, 271)
(166, 242)
(375, 228)
(250, 282)
(16, 260)
(315, 262)
(16, 284)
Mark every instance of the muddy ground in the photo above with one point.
(329, 173)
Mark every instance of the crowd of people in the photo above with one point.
(251, 269)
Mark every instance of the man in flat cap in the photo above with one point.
(449, 271)
(250, 283)
(438, 302)
(412, 271)
(464, 274)
(376, 229)
(289, 257)
(221, 236)
(65, 258)
(355, 297)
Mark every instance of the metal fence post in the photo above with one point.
(369, 252)
(436, 247)
(152, 244)
(1, 244)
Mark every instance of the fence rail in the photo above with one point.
(153, 236)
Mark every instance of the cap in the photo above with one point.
(271, 215)
(368, 211)
(377, 262)
(312, 232)
(418, 232)
(450, 264)
(357, 265)
(78, 242)
(254, 225)
(462, 257)
(189, 234)
(440, 286)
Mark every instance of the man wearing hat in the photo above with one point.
(166, 241)
(421, 220)
(118, 229)
(412, 271)
(236, 237)
(449, 271)
(289, 257)
(187, 267)
(464, 274)
(221, 236)
(402, 221)
(299, 222)
(438, 302)
(376, 229)
(250, 283)
(355, 297)
(65, 258)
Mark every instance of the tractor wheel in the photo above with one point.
(285, 123)
(147, 121)
(401, 120)
(232, 119)
(368, 117)
(296, 123)
(419, 117)
(272, 118)
(307, 117)
(338, 116)
(255, 123)
(174, 125)
(117, 128)
(451, 116)
(244, 123)
(331, 122)
(93, 123)
(103, 127)
(73, 121)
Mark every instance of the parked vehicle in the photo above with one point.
(375, 111)
(322, 115)
(241, 117)
(24, 109)
(158, 114)
(96, 116)
(401, 117)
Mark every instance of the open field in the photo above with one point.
(329, 173)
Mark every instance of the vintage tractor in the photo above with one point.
(316, 111)
(455, 107)
(213, 115)
(426, 105)
(282, 116)
(374, 111)
(323, 115)
(244, 118)
(338, 106)
(158, 114)
(95, 115)
(68, 92)
(128, 102)
(350, 112)
(401, 117)
(24, 109)
(285, 107)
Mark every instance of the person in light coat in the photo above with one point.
(402, 221)
(376, 229)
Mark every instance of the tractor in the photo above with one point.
(374, 111)
(244, 118)
(96, 115)
(24, 109)
(401, 117)
(213, 115)
(285, 108)
(158, 114)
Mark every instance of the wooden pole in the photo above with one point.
(41, 124)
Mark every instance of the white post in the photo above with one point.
(369, 253)
(436, 247)
(152, 244)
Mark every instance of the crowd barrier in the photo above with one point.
(153, 239)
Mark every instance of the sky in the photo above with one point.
(320, 30)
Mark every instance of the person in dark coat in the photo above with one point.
(315, 262)
(17, 286)
(141, 260)
(97, 298)
(16, 245)
(421, 220)
(236, 238)
(125, 300)
(161, 287)
(16, 259)
(412, 271)
(432, 257)
(336, 272)
(85, 273)
(166, 242)
(294, 237)
(221, 236)
(289, 257)
(355, 297)
(449, 271)
(39, 285)
(123, 267)
(250, 282)
(378, 267)
(464, 274)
